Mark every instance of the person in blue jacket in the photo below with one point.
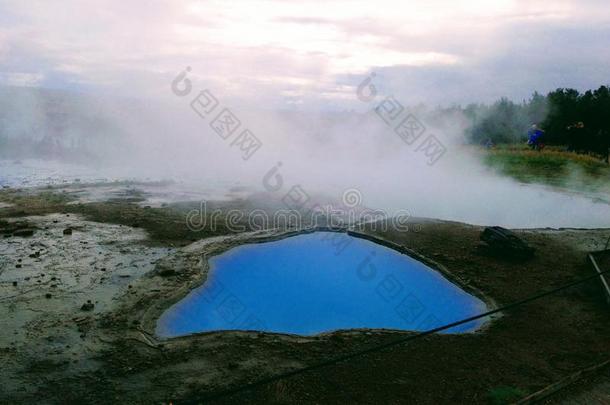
(535, 137)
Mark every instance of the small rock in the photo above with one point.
(14, 284)
(68, 231)
(17, 266)
(48, 295)
(87, 306)
(167, 273)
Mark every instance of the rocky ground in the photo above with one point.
(82, 283)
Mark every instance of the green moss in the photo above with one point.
(504, 395)
(164, 225)
(26, 203)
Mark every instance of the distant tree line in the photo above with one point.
(579, 121)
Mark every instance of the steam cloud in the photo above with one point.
(323, 152)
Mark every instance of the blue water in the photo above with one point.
(319, 282)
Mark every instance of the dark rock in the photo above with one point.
(68, 231)
(14, 284)
(23, 232)
(87, 306)
(48, 295)
(503, 243)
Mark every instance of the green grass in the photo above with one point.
(553, 166)
(504, 395)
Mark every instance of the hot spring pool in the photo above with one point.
(319, 282)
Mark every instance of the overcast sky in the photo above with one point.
(308, 53)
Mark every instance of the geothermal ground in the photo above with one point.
(82, 284)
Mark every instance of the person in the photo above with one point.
(535, 138)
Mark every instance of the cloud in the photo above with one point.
(309, 52)
(21, 79)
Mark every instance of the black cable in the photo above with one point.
(334, 360)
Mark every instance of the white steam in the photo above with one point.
(323, 152)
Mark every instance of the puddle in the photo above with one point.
(319, 282)
(86, 184)
(38, 173)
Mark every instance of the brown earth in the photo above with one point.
(110, 354)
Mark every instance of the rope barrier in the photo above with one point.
(359, 353)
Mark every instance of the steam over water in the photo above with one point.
(472, 195)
